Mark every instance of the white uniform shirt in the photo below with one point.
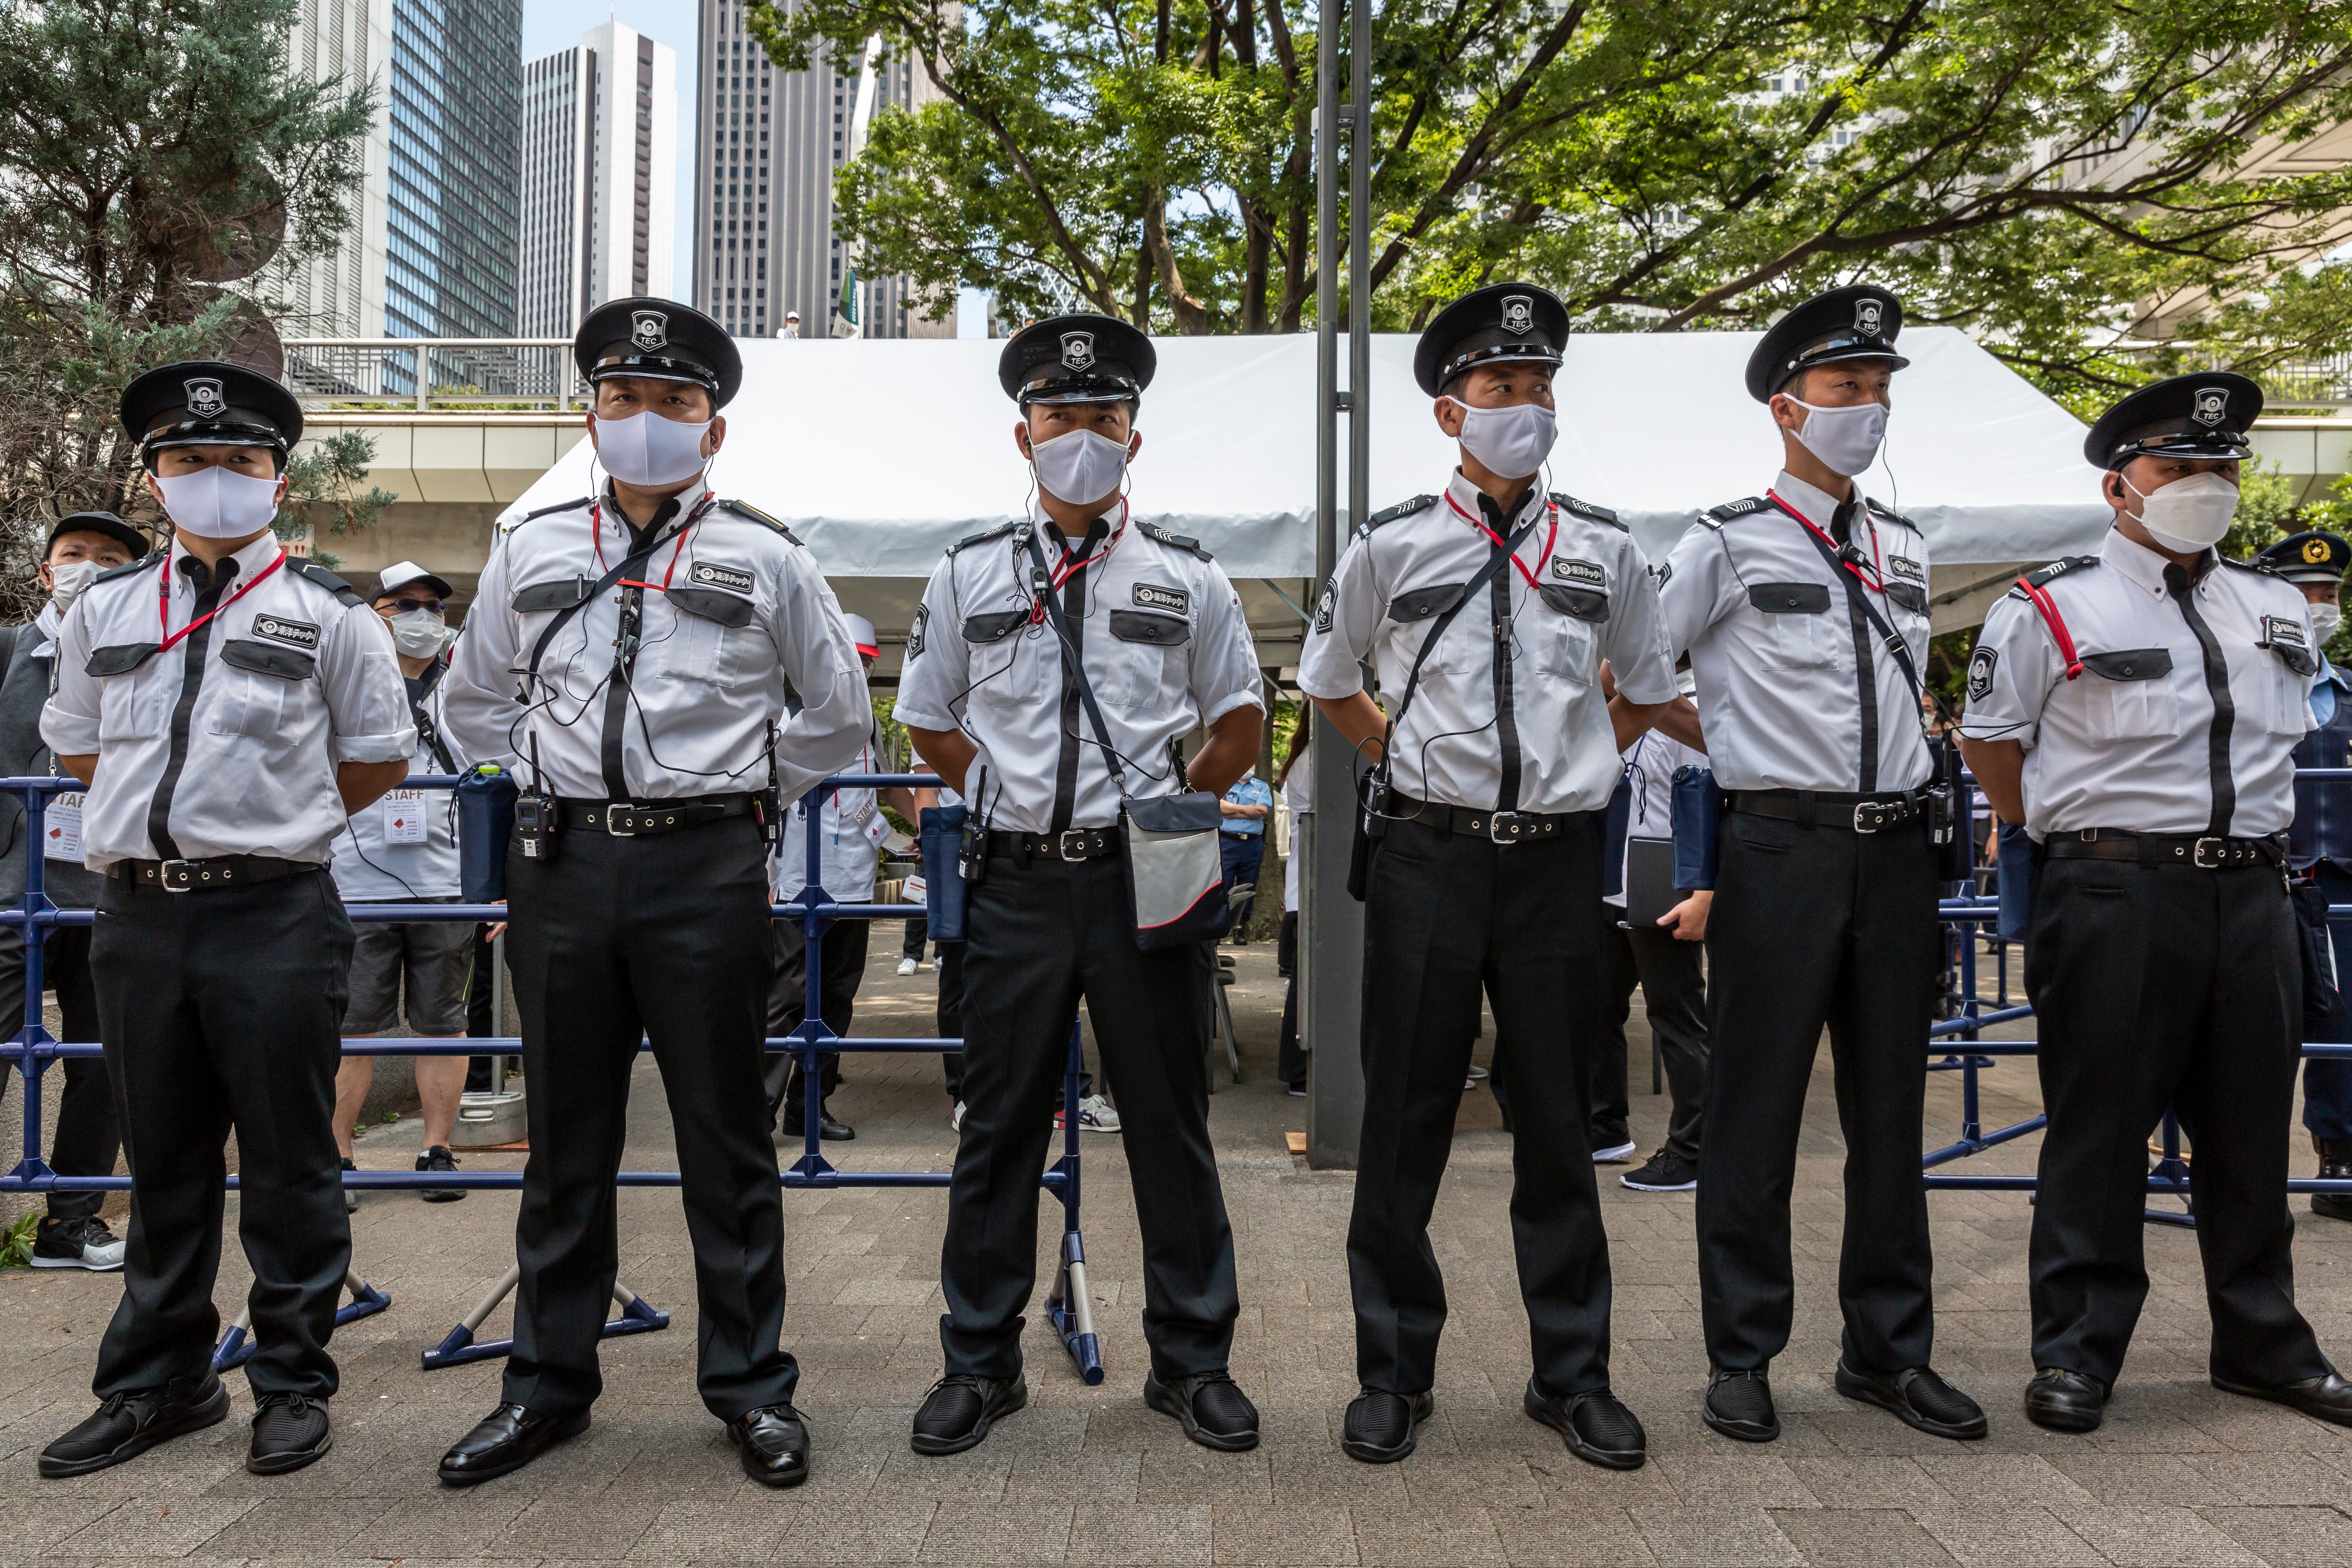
(850, 830)
(1449, 748)
(1165, 650)
(1770, 634)
(405, 847)
(704, 693)
(1651, 763)
(1298, 794)
(2126, 745)
(293, 683)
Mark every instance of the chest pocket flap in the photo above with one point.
(1420, 603)
(561, 594)
(2131, 664)
(120, 659)
(267, 659)
(994, 626)
(1584, 603)
(1160, 631)
(729, 610)
(1909, 596)
(1789, 598)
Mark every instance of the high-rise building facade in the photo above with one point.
(340, 293)
(599, 177)
(767, 146)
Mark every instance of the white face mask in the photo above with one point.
(213, 504)
(1080, 467)
(1846, 439)
(648, 449)
(1512, 442)
(419, 634)
(2324, 621)
(70, 577)
(2187, 515)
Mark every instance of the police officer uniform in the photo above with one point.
(2159, 707)
(219, 704)
(1162, 641)
(634, 677)
(2319, 846)
(1486, 877)
(1825, 900)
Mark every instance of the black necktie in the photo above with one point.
(209, 586)
(2217, 687)
(1507, 718)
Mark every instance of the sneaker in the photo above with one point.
(908, 965)
(290, 1430)
(128, 1425)
(1476, 1073)
(351, 1195)
(1298, 1090)
(955, 1117)
(438, 1158)
(77, 1244)
(1663, 1173)
(1612, 1153)
(1470, 1083)
(1094, 1115)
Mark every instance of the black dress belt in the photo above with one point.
(207, 876)
(1076, 844)
(1825, 808)
(626, 820)
(2208, 854)
(1502, 826)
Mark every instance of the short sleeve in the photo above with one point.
(1634, 638)
(367, 701)
(1697, 587)
(1347, 617)
(933, 679)
(70, 721)
(2010, 675)
(1224, 665)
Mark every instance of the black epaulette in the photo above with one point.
(747, 511)
(325, 579)
(1716, 516)
(139, 565)
(1173, 541)
(2051, 572)
(1586, 508)
(984, 535)
(1891, 514)
(1402, 509)
(542, 511)
(2257, 565)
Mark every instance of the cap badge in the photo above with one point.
(1078, 350)
(204, 399)
(2314, 551)
(1518, 314)
(1869, 316)
(2212, 405)
(650, 329)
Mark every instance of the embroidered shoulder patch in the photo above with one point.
(1326, 606)
(1152, 597)
(914, 637)
(716, 577)
(293, 634)
(1981, 664)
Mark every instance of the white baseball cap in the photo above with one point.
(861, 632)
(401, 573)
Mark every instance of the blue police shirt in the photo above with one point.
(2322, 828)
(1251, 791)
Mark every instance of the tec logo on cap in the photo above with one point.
(205, 400)
(650, 329)
(1078, 350)
(2212, 405)
(1518, 314)
(1867, 313)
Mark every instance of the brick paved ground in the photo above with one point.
(2180, 1474)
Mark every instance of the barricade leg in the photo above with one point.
(236, 1346)
(1069, 1308)
(2172, 1169)
(638, 1316)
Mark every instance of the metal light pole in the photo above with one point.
(1331, 956)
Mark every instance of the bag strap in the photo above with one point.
(634, 560)
(1469, 592)
(425, 725)
(1887, 634)
(1073, 663)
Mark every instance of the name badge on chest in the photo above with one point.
(404, 817)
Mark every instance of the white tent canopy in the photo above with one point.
(879, 453)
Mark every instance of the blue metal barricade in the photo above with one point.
(33, 1048)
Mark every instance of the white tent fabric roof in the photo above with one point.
(880, 453)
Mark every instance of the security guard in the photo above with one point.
(229, 707)
(1824, 911)
(991, 701)
(2319, 841)
(2139, 711)
(1488, 874)
(629, 657)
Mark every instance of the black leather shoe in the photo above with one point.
(1215, 1413)
(1599, 1429)
(290, 1430)
(1382, 1427)
(2335, 1165)
(961, 1407)
(127, 1424)
(2065, 1401)
(774, 1442)
(506, 1440)
(828, 1129)
(1739, 1405)
(2327, 1398)
(1918, 1397)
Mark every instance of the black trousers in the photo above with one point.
(951, 1013)
(843, 953)
(1446, 915)
(1814, 926)
(222, 1010)
(1289, 1062)
(1043, 935)
(86, 1140)
(665, 936)
(2156, 986)
(917, 934)
(1674, 994)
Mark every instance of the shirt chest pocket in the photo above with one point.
(708, 626)
(2131, 694)
(134, 698)
(1561, 631)
(261, 688)
(1796, 629)
(1415, 612)
(1011, 666)
(1142, 662)
(2269, 692)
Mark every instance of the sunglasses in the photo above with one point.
(404, 606)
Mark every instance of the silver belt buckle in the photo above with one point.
(178, 876)
(2220, 854)
(1072, 845)
(1865, 815)
(1507, 827)
(612, 816)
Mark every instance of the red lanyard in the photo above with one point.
(1501, 544)
(163, 601)
(1878, 587)
(1070, 565)
(2055, 622)
(596, 533)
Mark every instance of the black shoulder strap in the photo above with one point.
(317, 573)
(1077, 667)
(1886, 634)
(542, 511)
(426, 730)
(1173, 541)
(1586, 508)
(2045, 576)
(984, 536)
(1390, 513)
(141, 564)
(631, 564)
(747, 511)
(1469, 592)
(1741, 507)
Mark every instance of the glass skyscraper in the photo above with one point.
(452, 104)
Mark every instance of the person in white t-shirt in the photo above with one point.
(1296, 781)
